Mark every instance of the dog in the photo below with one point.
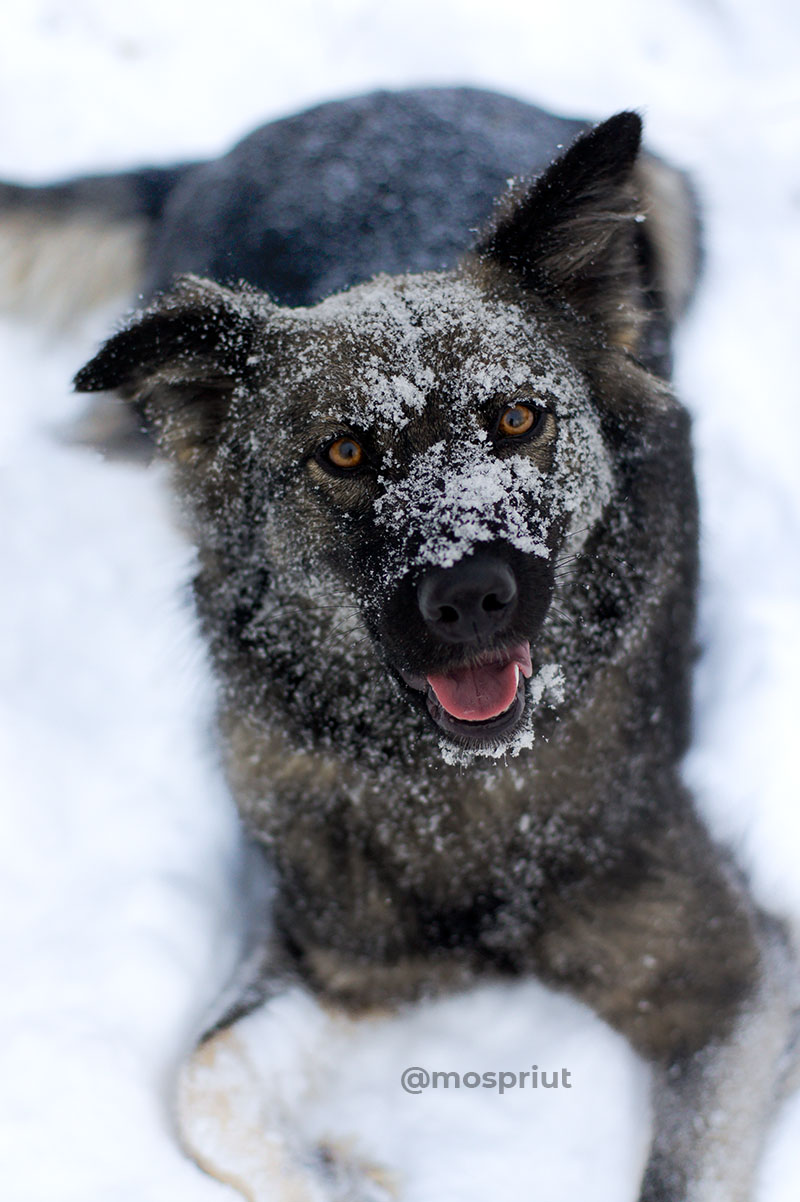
(443, 502)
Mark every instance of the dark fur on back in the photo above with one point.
(316, 202)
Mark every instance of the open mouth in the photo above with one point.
(481, 701)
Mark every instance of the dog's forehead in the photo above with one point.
(390, 351)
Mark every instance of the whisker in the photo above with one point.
(350, 608)
(342, 628)
(346, 627)
(564, 617)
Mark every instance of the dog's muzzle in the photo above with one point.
(478, 618)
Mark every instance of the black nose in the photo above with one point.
(470, 601)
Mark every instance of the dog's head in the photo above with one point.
(385, 486)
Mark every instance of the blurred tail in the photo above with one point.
(70, 246)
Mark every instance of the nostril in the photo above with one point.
(492, 603)
(448, 614)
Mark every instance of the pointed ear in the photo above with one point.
(571, 236)
(179, 362)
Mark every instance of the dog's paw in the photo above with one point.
(243, 1138)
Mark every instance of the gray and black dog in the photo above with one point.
(447, 535)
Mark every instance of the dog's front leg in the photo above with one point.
(675, 955)
(238, 1100)
(711, 1108)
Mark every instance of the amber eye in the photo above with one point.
(345, 453)
(518, 419)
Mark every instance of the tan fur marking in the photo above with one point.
(369, 990)
(672, 225)
(626, 339)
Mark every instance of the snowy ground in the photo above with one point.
(119, 845)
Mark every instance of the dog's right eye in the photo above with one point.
(342, 455)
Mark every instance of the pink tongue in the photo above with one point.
(479, 693)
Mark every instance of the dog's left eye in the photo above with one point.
(519, 419)
(345, 452)
(342, 455)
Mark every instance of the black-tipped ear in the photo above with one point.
(571, 235)
(178, 363)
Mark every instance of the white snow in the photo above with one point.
(119, 844)
(464, 480)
